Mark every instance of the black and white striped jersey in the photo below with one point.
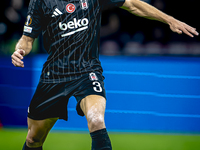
(71, 32)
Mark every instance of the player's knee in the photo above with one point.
(34, 142)
(96, 123)
(95, 120)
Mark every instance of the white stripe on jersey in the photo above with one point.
(56, 12)
(70, 33)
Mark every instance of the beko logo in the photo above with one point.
(79, 25)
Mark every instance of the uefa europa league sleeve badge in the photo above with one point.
(84, 4)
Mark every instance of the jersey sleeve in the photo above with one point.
(106, 4)
(33, 24)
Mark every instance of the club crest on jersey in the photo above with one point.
(84, 4)
(70, 8)
(92, 76)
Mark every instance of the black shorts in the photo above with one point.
(50, 99)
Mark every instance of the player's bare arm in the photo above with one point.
(23, 47)
(143, 9)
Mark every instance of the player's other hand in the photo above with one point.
(17, 57)
(181, 27)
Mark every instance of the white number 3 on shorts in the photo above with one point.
(97, 87)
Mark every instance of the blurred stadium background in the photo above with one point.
(152, 82)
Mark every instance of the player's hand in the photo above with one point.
(17, 57)
(181, 27)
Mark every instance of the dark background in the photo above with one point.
(122, 33)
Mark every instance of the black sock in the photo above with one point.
(100, 140)
(25, 147)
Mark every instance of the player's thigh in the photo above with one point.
(38, 129)
(93, 106)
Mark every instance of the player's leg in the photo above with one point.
(37, 133)
(93, 107)
(47, 105)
